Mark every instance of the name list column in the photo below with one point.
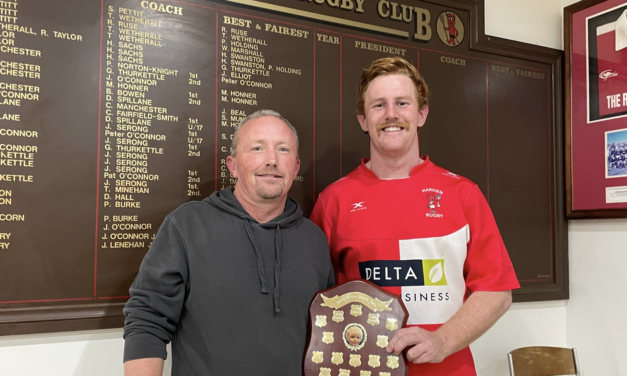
(155, 148)
(266, 64)
(48, 129)
(242, 67)
(20, 73)
(130, 142)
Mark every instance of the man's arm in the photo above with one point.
(480, 311)
(144, 367)
(157, 296)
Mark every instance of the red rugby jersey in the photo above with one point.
(429, 238)
(612, 64)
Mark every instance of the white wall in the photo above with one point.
(593, 320)
(86, 353)
(530, 21)
(93, 353)
(596, 315)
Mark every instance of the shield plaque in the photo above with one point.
(363, 318)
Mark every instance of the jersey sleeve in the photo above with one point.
(487, 266)
(320, 218)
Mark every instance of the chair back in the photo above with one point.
(543, 361)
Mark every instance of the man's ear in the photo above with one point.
(362, 123)
(296, 168)
(422, 114)
(230, 163)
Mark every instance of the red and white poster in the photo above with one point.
(597, 111)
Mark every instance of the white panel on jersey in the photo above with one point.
(621, 31)
(436, 304)
(604, 29)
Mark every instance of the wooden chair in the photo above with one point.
(543, 361)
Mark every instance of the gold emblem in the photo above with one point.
(344, 372)
(392, 361)
(337, 358)
(391, 324)
(365, 373)
(355, 360)
(338, 302)
(321, 320)
(327, 337)
(355, 336)
(382, 341)
(373, 319)
(317, 357)
(373, 361)
(356, 310)
(338, 316)
(384, 374)
(325, 371)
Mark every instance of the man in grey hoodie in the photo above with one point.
(228, 280)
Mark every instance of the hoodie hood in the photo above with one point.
(225, 200)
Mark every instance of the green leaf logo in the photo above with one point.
(435, 275)
(433, 272)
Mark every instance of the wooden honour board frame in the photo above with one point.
(518, 151)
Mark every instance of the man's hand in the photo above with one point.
(477, 314)
(144, 367)
(428, 347)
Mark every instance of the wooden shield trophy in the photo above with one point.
(350, 327)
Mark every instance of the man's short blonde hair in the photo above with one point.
(256, 115)
(392, 65)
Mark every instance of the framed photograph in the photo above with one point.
(616, 153)
(595, 44)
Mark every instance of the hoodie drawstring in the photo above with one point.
(277, 267)
(260, 270)
(277, 264)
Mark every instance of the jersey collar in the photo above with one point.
(415, 171)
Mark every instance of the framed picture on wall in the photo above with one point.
(595, 44)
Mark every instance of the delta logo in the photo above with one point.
(398, 273)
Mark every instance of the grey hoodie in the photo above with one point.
(232, 294)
